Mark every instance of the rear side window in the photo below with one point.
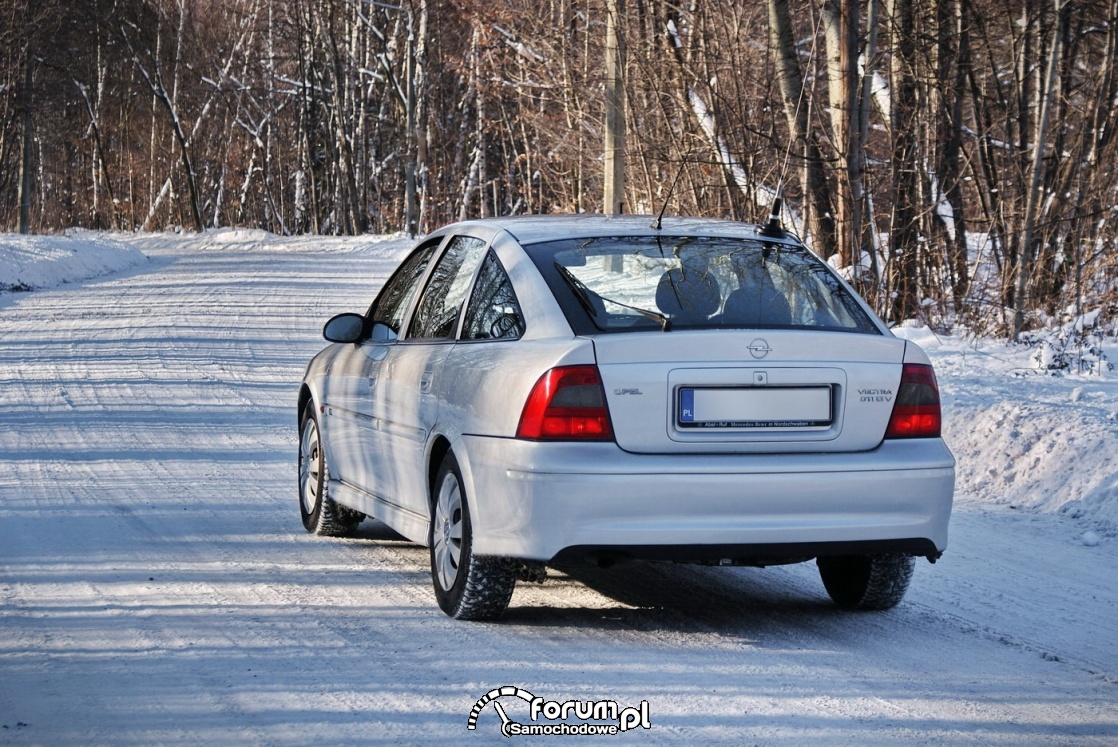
(493, 312)
(618, 284)
(436, 317)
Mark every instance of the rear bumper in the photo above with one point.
(545, 500)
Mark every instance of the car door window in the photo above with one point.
(493, 312)
(442, 299)
(393, 302)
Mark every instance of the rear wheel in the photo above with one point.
(467, 587)
(867, 582)
(320, 514)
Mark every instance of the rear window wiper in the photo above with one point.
(582, 293)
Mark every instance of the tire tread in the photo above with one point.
(329, 519)
(334, 519)
(490, 583)
(871, 583)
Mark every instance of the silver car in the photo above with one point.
(526, 391)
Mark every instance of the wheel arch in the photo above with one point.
(305, 396)
(440, 447)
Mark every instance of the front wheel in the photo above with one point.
(467, 587)
(867, 582)
(320, 514)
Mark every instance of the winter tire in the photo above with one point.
(320, 514)
(866, 582)
(467, 587)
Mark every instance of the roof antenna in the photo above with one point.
(773, 229)
(660, 216)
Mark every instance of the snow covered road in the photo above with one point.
(156, 586)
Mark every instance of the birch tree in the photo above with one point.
(817, 195)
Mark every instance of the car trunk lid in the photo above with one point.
(749, 391)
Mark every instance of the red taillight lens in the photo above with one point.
(566, 404)
(916, 411)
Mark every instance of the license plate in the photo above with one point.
(755, 407)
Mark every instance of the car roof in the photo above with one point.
(532, 229)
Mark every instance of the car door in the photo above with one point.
(406, 396)
(482, 366)
(357, 452)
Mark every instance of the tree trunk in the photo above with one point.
(817, 201)
(1024, 265)
(421, 114)
(954, 59)
(411, 203)
(841, 20)
(904, 233)
(613, 197)
(27, 135)
(866, 236)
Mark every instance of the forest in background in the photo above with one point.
(895, 129)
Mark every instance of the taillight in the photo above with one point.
(567, 404)
(916, 411)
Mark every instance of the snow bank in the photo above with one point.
(1043, 456)
(1024, 438)
(37, 262)
(251, 240)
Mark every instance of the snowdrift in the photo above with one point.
(37, 262)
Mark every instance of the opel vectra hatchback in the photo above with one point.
(526, 391)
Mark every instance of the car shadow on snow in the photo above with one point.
(376, 531)
(672, 597)
(655, 596)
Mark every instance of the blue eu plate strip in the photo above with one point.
(687, 405)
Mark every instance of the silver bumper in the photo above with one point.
(534, 500)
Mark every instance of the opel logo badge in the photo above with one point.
(759, 348)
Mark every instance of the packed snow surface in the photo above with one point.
(156, 586)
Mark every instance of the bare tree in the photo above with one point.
(817, 197)
(841, 20)
(904, 234)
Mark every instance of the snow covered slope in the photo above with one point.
(156, 586)
(1027, 439)
(31, 262)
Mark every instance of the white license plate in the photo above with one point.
(754, 407)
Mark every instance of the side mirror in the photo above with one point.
(344, 328)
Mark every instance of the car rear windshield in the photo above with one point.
(619, 284)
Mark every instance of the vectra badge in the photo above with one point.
(759, 348)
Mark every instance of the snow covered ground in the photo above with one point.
(156, 586)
